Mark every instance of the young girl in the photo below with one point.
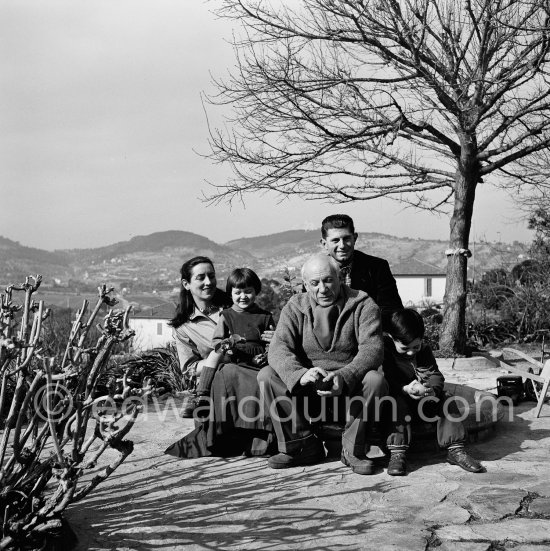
(412, 374)
(245, 320)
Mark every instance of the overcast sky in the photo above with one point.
(100, 115)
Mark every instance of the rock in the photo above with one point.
(542, 488)
(445, 513)
(493, 503)
(518, 530)
(475, 363)
(465, 546)
(540, 506)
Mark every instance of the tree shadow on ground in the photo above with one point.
(513, 431)
(218, 503)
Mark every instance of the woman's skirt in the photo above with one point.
(237, 423)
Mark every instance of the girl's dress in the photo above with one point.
(237, 424)
(248, 324)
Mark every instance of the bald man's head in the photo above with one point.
(321, 277)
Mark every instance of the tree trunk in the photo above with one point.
(452, 337)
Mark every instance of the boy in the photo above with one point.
(416, 385)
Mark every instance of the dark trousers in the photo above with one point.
(442, 410)
(292, 414)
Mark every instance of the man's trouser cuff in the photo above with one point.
(294, 446)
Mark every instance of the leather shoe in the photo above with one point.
(398, 464)
(312, 452)
(359, 465)
(458, 456)
(202, 407)
(188, 406)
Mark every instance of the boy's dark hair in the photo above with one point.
(336, 221)
(240, 278)
(406, 325)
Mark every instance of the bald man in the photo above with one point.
(328, 343)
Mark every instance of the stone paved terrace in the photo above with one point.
(156, 502)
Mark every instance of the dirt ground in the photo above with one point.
(154, 501)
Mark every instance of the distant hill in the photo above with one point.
(274, 252)
(265, 246)
(154, 242)
(149, 262)
(18, 261)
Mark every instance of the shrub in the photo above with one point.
(55, 427)
(160, 366)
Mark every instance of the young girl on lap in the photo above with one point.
(245, 322)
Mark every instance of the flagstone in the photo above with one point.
(520, 530)
(493, 503)
(540, 506)
(154, 501)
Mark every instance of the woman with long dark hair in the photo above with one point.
(235, 424)
(197, 315)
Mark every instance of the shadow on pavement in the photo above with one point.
(219, 504)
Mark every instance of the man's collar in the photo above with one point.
(342, 297)
(347, 265)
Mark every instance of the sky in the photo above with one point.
(102, 126)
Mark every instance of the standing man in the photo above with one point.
(328, 342)
(359, 270)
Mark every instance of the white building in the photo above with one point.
(419, 283)
(151, 327)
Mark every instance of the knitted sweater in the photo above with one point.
(356, 345)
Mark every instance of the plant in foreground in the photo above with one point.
(54, 426)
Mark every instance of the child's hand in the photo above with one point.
(260, 360)
(228, 344)
(417, 390)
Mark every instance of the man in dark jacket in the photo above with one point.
(359, 270)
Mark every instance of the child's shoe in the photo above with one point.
(398, 464)
(459, 456)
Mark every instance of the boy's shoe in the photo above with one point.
(398, 464)
(459, 456)
(312, 452)
(359, 465)
(188, 406)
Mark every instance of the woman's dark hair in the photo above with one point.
(240, 278)
(186, 303)
(405, 325)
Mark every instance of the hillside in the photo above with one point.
(18, 261)
(154, 242)
(145, 263)
(291, 248)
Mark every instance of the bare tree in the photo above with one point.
(415, 100)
